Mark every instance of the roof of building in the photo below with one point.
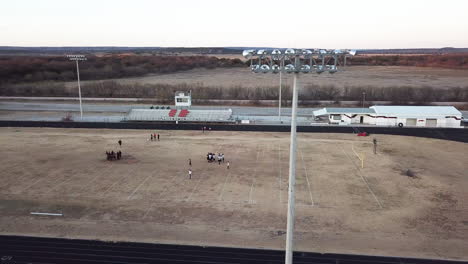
(415, 110)
(332, 110)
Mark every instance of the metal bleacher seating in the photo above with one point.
(184, 115)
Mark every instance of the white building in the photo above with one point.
(346, 116)
(183, 99)
(413, 116)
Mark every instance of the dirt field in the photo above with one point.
(375, 76)
(147, 195)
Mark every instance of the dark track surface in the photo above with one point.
(18, 249)
(454, 134)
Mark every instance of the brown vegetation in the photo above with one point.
(160, 91)
(452, 61)
(18, 69)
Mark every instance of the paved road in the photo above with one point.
(19, 250)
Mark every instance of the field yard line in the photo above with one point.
(228, 177)
(34, 183)
(193, 190)
(254, 178)
(307, 177)
(160, 194)
(137, 188)
(363, 178)
(280, 172)
(71, 178)
(31, 185)
(115, 182)
(58, 184)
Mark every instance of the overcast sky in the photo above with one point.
(191, 23)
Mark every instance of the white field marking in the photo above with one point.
(49, 214)
(115, 182)
(254, 177)
(91, 181)
(34, 183)
(139, 186)
(228, 176)
(58, 184)
(161, 193)
(30, 185)
(363, 178)
(106, 169)
(280, 172)
(194, 188)
(307, 177)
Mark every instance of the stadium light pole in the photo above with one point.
(299, 61)
(363, 98)
(78, 58)
(279, 94)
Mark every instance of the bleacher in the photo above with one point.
(172, 113)
(184, 115)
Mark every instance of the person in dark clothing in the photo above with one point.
(108, 155)
(158, 137)
(112, 154)
(151, 137)
(120, 142)
(190, 162)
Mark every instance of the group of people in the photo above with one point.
(154, 137)
(111, 155)
(212, 157)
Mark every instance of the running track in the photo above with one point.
(19, 249)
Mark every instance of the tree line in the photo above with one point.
(19, 69)
(451, 61)
(165, 92)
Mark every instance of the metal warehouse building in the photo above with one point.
(419, 116)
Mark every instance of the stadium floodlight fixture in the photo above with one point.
(262, 53)
(248, 54)
(265, 68)
(295, 61)
(77, 58)
(276, 55)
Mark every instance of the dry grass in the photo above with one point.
(375, 76)
(148, 197)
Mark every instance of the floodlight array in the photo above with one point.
(73, 57)
(296, 60)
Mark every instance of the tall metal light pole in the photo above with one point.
(299, 61)
(78, 58)
(363, 98)
(279, 94)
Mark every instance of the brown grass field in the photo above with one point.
(362, 76)
(147, 195)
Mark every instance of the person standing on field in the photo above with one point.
(190, 162)
(190, 173)
(158, 137)
(120, 142)
(227, 165)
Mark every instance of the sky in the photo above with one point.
(357, 24)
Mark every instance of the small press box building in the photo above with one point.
(413, 116)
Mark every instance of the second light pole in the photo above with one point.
(78, 58)
(299, 61)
